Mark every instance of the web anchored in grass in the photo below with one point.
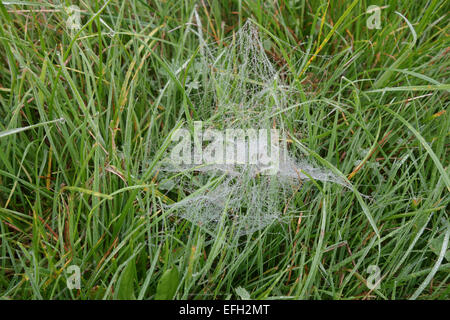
(239, 88)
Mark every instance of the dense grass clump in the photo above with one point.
(87, 115)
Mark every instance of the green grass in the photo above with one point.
(372, 105)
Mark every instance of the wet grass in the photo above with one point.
(82, 191)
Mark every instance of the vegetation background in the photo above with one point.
(83, 190)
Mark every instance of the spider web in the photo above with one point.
(237, 86)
